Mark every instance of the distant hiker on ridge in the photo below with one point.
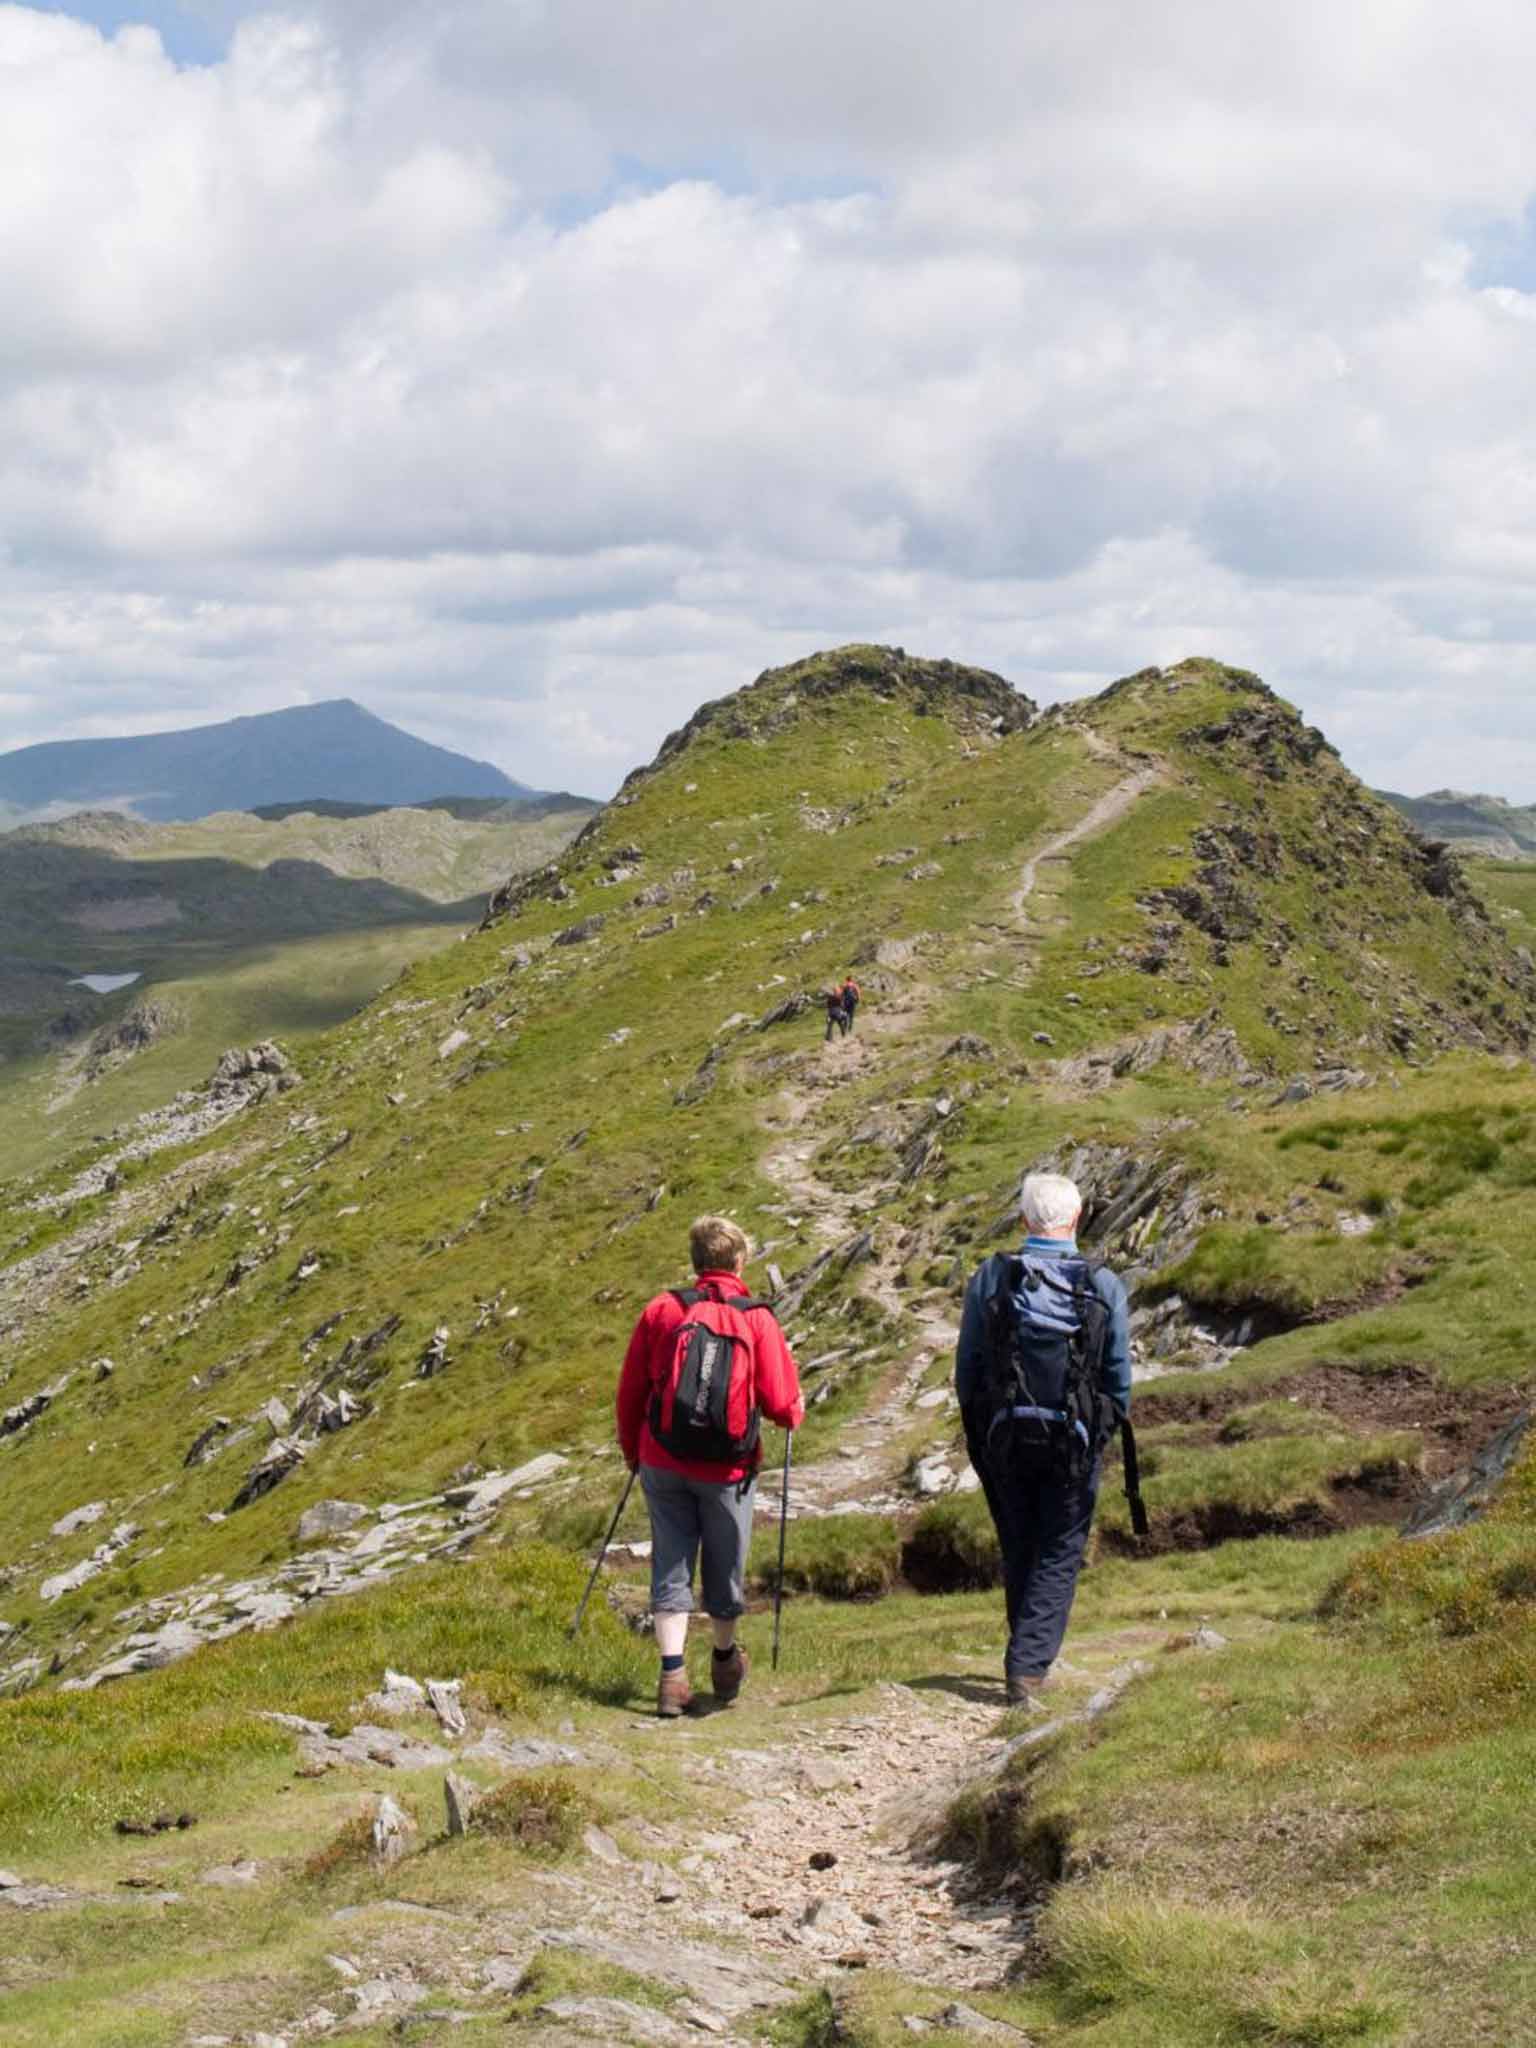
(836, 1017)
(704, 1365)
(852, 995)
(1043, 1378)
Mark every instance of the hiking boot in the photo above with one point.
(674, 1695)
(1024, 1692)
(729, 1672)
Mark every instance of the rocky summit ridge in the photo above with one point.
(322, 1393)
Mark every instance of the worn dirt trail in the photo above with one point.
(866, 1468)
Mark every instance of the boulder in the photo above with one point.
(454, 1042)
(482, 1495)
(80, 1518)
(460, 1798)
(443, 1694)
(329, 1518)
(393, 1829)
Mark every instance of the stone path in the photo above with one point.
(862, 1472)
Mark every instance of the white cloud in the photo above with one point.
(1066, 338)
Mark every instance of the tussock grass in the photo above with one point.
(540, 1812)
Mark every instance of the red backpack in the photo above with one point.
(705, 1406)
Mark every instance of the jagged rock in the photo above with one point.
(460, 1798)
(203, 1444)
(276, 1416)
(78, 1519)
(785, 1012)
(393, 1829)
(434, 1359)
(1298, 1090)
(167, 1645)
(9, 1882)
(924, 871)
(1468, 1494)
(252, 1073)
(102, 1369)
(967, 1047)
(81, 1574)
(329, 1518)
(279, 1459)
(26, 1412)
(484, 1494)
(443, 1695)
(578, 934)
(398, 1694)
(336, 1411)
(454, 1042)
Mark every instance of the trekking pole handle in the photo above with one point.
(613, 1526)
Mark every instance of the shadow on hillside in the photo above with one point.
(94, 905)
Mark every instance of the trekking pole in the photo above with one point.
(778, 1586)
(612, 1532)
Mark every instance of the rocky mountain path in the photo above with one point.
(807, 1846)
(1108, 810)
(865, 1470)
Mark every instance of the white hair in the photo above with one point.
(1051, 1203)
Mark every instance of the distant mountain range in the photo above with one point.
(335, 751)
(1476, 824)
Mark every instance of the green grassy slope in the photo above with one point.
(530, 1185)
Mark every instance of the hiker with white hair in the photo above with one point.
(1043, 1378)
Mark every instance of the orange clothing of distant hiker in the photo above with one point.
(649, 1358)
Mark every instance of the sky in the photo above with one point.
(532, 370)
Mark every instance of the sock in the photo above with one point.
(671, 1663)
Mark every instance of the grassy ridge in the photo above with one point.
(530, 1186)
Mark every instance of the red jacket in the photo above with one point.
(649, 1358)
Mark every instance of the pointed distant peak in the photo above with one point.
(972, 699)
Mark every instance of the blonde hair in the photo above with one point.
(717, 1245)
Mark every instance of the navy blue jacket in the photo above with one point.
(970, 1351)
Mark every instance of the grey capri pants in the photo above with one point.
(690, 1515)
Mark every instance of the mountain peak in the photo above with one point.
(971, 698)
(336, 748)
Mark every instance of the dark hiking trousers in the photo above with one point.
(1042, 1518)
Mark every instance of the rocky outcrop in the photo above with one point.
(972, 699)
(247, 1074)
(1468, 1494)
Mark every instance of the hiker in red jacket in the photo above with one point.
(704, 1365)
(851, 995)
